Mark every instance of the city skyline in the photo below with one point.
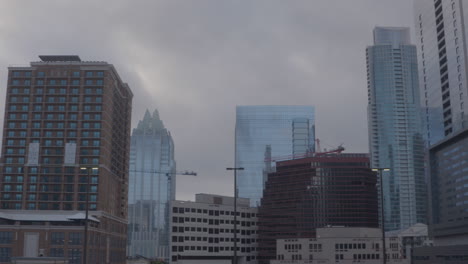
(295, 49)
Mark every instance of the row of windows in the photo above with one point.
(54, 116)
(182, 229)
(48, 188)
(182, 210)
(211, 249)
(74, 254)
(46, 170)
(47, 206)
(5, 254)
(50, 134)
(60, 125)
(54, 151)
(48, 197)
(56, 82)
(56, 99)
(339, 247)
(48, 142)
(6, 237)
(74, 74)
(182, 239)
(211, 221)
(52, 179)
(55, 108)
(366, 256)
(56, 91)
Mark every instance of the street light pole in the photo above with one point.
(235, 211)
(85, 242)
(382, 219)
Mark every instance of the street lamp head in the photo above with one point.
(380, 169)
(240, 168)
(89, 168)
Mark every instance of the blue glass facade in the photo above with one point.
(151, 188)
(449, 189)
(395, 127)
(265, 133)
(442, 56)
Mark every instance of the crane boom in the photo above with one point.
(186, 172)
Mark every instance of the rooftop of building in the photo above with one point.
(59, 57)
(348, 232)
(45, 215)
(150, 124)
(453, 138)
(204, 198)
(325, 157)
(392, 36)
(412, 231)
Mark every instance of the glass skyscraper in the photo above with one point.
(442, 50)
(266, 133)
(151, 188)
(395, 129)
(443, 55)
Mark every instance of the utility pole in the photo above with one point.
(235, 212)
(382, 218)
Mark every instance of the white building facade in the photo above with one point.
(347, 245)
(203, 231)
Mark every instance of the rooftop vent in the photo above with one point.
(59, 58)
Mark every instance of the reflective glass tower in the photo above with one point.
(152, 187)
(395, 129)
(442, 50)
(265, 133)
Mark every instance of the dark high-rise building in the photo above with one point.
(310, 193)
(65, 148)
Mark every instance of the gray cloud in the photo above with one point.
(196, 60)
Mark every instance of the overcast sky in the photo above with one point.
(195, 60)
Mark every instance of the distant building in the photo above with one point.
(410, 238)
(395, 126)
(343, 245)
(62, 114)
(203, 231)
(267, 132)
(454, 254)
(441, 31)
(448, 218)
(151, 188)
(315, 192)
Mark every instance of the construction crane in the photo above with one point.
(338, 150)
(186, 172)
(317, 153)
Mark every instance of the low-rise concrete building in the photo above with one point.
(203, 231)
(412, 237)
(340, 245)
